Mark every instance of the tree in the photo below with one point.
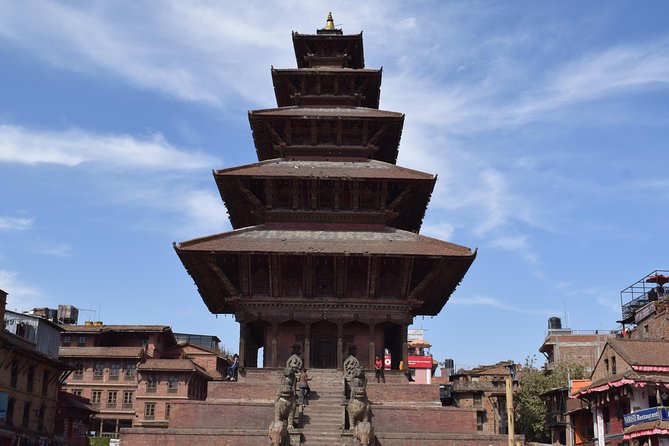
(530, 409)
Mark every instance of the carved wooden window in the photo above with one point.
(369, 196)
(389, 282)
(260, 282)
(326, 195)
(284, 196)
(291, 277)
(324, 278)
(357, 278)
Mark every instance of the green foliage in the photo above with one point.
(99, 441)
(530, 409)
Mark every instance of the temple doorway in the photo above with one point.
(324, 345)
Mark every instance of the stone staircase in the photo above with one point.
(323, 415)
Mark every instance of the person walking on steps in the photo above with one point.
(378, 367)
(304, 386)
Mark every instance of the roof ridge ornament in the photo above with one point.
(329, 24)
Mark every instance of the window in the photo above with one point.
(114, 371)
(646, 331)
(10, 409)
(15, 374)
(98, 371)
(613, 365)
(40, 419)
(67, 340)
(168, 407)
(95, 396)
(606, 364)
(82, 341)
(76, 392)
(149, 410)
(480, 418)
(130, 370)
(172, 384)
(26, 416)
(78, 371)
(151, 384)
(111, 398)
(478, 398)
(45, 383)
(127, 399)
(31, 378)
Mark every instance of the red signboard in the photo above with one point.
(420, 362)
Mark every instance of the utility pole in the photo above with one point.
(509, 404)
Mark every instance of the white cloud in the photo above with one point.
(53, 249)
(15, 223)
(20, 296)
(74, 147)
(517, 244)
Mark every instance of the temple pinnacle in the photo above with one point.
(329, 24)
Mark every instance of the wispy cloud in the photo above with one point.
(21, 296)
(74, 147)
(486, 301)
(517, 244)
(53, 249)
(15, 223)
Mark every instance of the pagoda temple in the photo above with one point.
(325, 249)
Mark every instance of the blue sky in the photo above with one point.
(546, 122)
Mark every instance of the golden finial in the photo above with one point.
(329, 25)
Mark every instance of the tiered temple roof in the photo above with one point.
(325, 214)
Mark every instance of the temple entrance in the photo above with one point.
(324, 345)
(392, 341)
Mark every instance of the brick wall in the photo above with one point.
(424, 419)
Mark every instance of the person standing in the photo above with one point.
(232, 370)
(304, 385)
(378, 367)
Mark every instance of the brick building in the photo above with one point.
(30, 375)
(484, 389)
(567, 346)
(132, 373)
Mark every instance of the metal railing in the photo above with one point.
(640, 293)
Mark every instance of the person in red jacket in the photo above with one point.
(378, 367)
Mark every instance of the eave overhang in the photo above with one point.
(427, 297)
(327, 133)
(343, 50)
(327, 86)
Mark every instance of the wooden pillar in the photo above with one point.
(340, 346)
(274, 357)
(243, 328)
(405, 346)
(372, 343)
(307, 345)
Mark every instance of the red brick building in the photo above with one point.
(30, 376)
(132, 373)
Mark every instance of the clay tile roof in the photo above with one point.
(173, 365)
(123, 328)
(99, 352)
(388, 241)
(332, 112)
(368, 169)
(642, 352)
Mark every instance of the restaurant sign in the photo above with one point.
(420, 362)
(643, 415)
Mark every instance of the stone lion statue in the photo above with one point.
(284, 406)
(359, 409)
